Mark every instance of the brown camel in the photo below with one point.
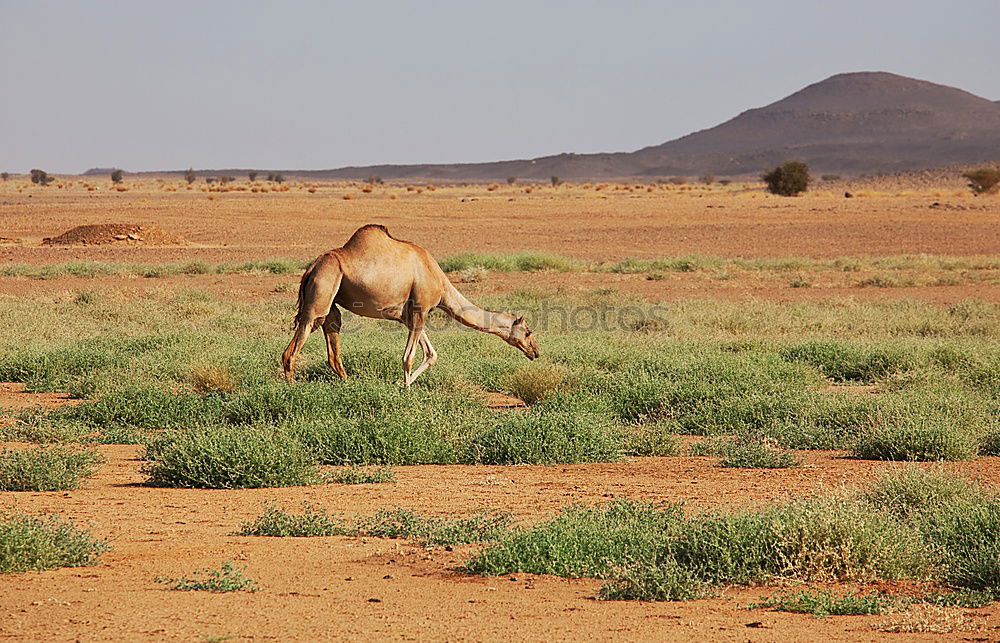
(376, 275)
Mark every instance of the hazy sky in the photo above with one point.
(149, 85)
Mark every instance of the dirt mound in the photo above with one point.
(119, 233)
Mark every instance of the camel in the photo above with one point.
(378, 276)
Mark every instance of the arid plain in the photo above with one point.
(933, 248)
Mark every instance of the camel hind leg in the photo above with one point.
(317, 290)
(331, 329)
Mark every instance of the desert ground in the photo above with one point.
(733, 264)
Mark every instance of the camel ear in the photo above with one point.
(519, 320)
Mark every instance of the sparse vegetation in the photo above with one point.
(35, 543)
(252, 175)
(228, 578)
(788, 179)
(117, 176)
(662, 553)
(312, 522)
(47, 468)
(190, 176)
(361, 475)
(824, 603)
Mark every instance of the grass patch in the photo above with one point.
(48, 468)
(236, 458)
(385, 523)
(45, 542)
(917, 439)
(511, 262)
(228, 578)
(313, 521)
(754, 453)
(582, 541)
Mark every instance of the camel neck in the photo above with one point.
(489, 321)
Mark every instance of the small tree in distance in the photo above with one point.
(4, 175)
(555, 181)
(984, 180)
(189, 175)
(788, 179)
(41, 177)
(511, 180)
(252, 175)
(117, 175)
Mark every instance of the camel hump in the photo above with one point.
(368, 231)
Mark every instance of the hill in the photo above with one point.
(850, 123)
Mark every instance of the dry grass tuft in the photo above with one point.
(212, 378)
(536, 382)
(934, 619)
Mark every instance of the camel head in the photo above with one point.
(521, 338)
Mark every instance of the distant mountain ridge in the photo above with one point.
(851, 123)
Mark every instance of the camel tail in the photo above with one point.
(300, 318)
(317, 289)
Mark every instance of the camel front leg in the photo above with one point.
(331, 330)
(430, 356)
(416, 327)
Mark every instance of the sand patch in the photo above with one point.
(115, 233)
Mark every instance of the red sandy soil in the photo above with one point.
(322, 588)
(575, 222)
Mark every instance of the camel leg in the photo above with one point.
(430, 356)
(416, 326)
(317, 290)
(288, 357)
(331, 328)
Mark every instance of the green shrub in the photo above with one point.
(911, 490)
(45, 542)
(665, 581)
(313, 521)
(49, 468)
(967, 538)
(229, 458)
(227, 579)
(545, 438)
(788, 179)
(583, 541)
(845, 363)
(917, 439)
(757, 453)
(819, 538)
(652, 440)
